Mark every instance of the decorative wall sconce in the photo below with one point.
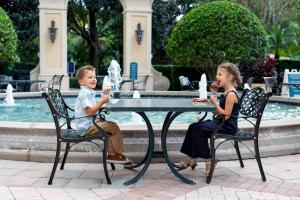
(52, 31)
(139, 33)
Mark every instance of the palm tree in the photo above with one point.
(281, 38)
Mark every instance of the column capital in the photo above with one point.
(53, 4)
(143, 6)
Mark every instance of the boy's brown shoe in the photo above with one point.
(119, 159)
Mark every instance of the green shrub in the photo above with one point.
(74, 83)
(8, 39)
(214, 32)
(172, 72)
(4, 69)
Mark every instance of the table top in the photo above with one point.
(26, 81)
(291, 83)
(159, 104)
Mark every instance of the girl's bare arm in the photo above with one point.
(230, 100)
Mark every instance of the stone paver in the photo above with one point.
(28, 181)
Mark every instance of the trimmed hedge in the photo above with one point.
(16, 66)
(172, 72)
(214, 32)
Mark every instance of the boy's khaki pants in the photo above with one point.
(115, 146)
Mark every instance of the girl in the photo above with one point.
(195, 143)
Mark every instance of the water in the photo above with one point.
(37, 110)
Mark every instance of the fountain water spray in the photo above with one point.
(114, 75)
(9, 99)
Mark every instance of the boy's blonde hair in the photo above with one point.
(81, 71)
(232, 69)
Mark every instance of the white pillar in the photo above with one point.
(53, 56)
(134, 12)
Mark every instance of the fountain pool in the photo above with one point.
(36, 110)
(27, 130)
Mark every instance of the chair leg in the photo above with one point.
(65, 156)
(112, 166)
(55, 162)
(213, 160)
(257, 156)
(236, 146)
(104, 155)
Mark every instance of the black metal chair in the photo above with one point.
(252, 104)
(62, 119)
(141, 85)
(4, 81)
(54, 83)
(272, 85)
(250, 81)
(136, 85)
(99, 82)
(185, 83)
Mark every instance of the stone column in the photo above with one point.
(137, 11)
(53, 56)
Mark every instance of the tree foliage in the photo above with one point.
(84, 19)
(25, 17)
(217, 31)
(163, 20)
(284, 40)
(270, 12)
(273, 12)
(8, 39)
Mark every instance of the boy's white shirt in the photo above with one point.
(86, 98)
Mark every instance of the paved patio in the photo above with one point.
(28, 180)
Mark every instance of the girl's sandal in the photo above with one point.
(194, 163)
(187, 162)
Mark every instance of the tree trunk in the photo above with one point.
(94, 42)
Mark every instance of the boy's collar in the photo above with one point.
(87, 88)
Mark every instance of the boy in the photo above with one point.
(86, 105)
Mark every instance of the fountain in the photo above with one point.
(9, 99)
(114, 75)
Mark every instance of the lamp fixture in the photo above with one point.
(139, 33)
(52, 31)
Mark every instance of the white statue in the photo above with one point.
(114, 75)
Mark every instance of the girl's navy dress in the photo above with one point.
(195, 143)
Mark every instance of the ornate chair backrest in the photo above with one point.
(184, 81)
(56, 82)
(253, 103)
(145, 81)
(250, 81)
(245, 91)
(270, 81)
(4, 78)
(58, 109)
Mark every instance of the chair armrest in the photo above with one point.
(202, 118)
(101, 117)
(69, 108)
(223, 121)
(126, 81)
